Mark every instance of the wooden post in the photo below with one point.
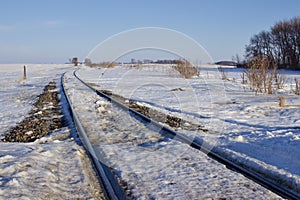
(281, 101)
(24, 76)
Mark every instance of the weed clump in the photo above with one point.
(185, 69)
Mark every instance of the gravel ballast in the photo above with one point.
(45, 117)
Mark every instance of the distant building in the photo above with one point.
(226, 63)
(75, 61)
(133, 61)
(147, 61)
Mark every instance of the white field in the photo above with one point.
(53, 167)
(251, 129)
(152, 166)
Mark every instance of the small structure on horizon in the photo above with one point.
(227, 63)
(75, 61)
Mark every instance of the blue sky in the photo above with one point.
(35, 31)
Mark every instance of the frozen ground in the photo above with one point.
(53, 167)
(251, 129)
(151, 166)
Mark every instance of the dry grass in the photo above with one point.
(259, 76)
(282, 101)
(186, 69)
(280, 80)
(243, 76)
(104, 64)
(297, 88)
(224, 74)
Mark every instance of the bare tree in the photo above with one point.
(260, 45)
(281, 44)
(237, 59)
(88, 62)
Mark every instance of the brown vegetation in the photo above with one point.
(280, 80)
(223, 74)
(282, 101)
(261, 74)
(186, 69)
(297, 87)
(88, 62)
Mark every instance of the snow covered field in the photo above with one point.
(149, 165)
(251, 129)
(53, 167)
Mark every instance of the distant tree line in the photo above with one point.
(280, 45)
(88, 62)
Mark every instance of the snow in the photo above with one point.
(53, 167)
(270, 132)
(201, 101)
(248, 128)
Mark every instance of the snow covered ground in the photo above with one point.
(251, 129)
(148, 165)
(53, 167)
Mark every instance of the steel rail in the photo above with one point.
(204, 147)
(109, 185)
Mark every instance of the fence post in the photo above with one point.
(24, 76)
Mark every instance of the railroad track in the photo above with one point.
(110, 188)
(110, 184)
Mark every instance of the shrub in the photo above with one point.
(104, 64)
(88, 62)
(111, 65)
(259, 76)
(280, 80)
(186, 69)
(223, 74)
(243, 76)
